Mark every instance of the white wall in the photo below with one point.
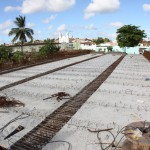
(89, 47)
(64, 38)
(29, 48)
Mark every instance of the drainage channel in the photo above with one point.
(42, 74)
(46, 130)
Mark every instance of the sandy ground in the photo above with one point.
(70, 80)
(123, 98)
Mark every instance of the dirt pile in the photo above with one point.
(9, 102)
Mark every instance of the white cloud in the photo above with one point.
(33, 6)
(30, 25)
(146, 7)
(48, 20)
(5, 24)
(6, 31)
(50, 27)
(61, 28)
(90, 27)
(39, 32)
(59, 5)
(117, 24)
(10, 8)
(101, 6)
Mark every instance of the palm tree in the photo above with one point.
(21, 32)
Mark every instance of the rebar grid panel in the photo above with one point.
(46, 130)
(43, 74)
(37, 64)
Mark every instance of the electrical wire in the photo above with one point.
(22, 116)
(112, 144)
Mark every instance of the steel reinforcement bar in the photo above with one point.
(46, 130)
(42, 74)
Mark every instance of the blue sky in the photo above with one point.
(81, 18)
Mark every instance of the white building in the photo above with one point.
(88, 46)
(64, 38)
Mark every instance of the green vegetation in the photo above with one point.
(5, 53)
(110, 48)
(130, 36)
(101, 40)
(21, 33)
(18, 57)
(49, 48)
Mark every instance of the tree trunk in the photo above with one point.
(22, 47)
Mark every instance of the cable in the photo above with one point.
(22, 116)
(112, 143)
(114, 137)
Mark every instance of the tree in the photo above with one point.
(21, 32)
(129, 36)
(106, 40)
(101, 40)
(110, 48)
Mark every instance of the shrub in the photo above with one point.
(49, 48)
(18, 57)
(110, 48)
(5, 53)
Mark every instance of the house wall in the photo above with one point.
(128, 50)
(64, 38)
(102, 49)
(117, 49)
(29, 47)
(76, 45)
(66, 46)
(88, 47)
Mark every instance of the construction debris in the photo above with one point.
(5, 101)
(59, 96)
(2, 148)
(147, 79)
(18, 129)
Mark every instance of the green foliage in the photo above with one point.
(106, 40)
(129, 36)
(49, 48)
(5, 52)
(101, 40)
(110, 48)
(18, 57)
(21, 33)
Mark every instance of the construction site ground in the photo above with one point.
(121, 98)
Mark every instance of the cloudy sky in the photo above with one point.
(81, 18)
